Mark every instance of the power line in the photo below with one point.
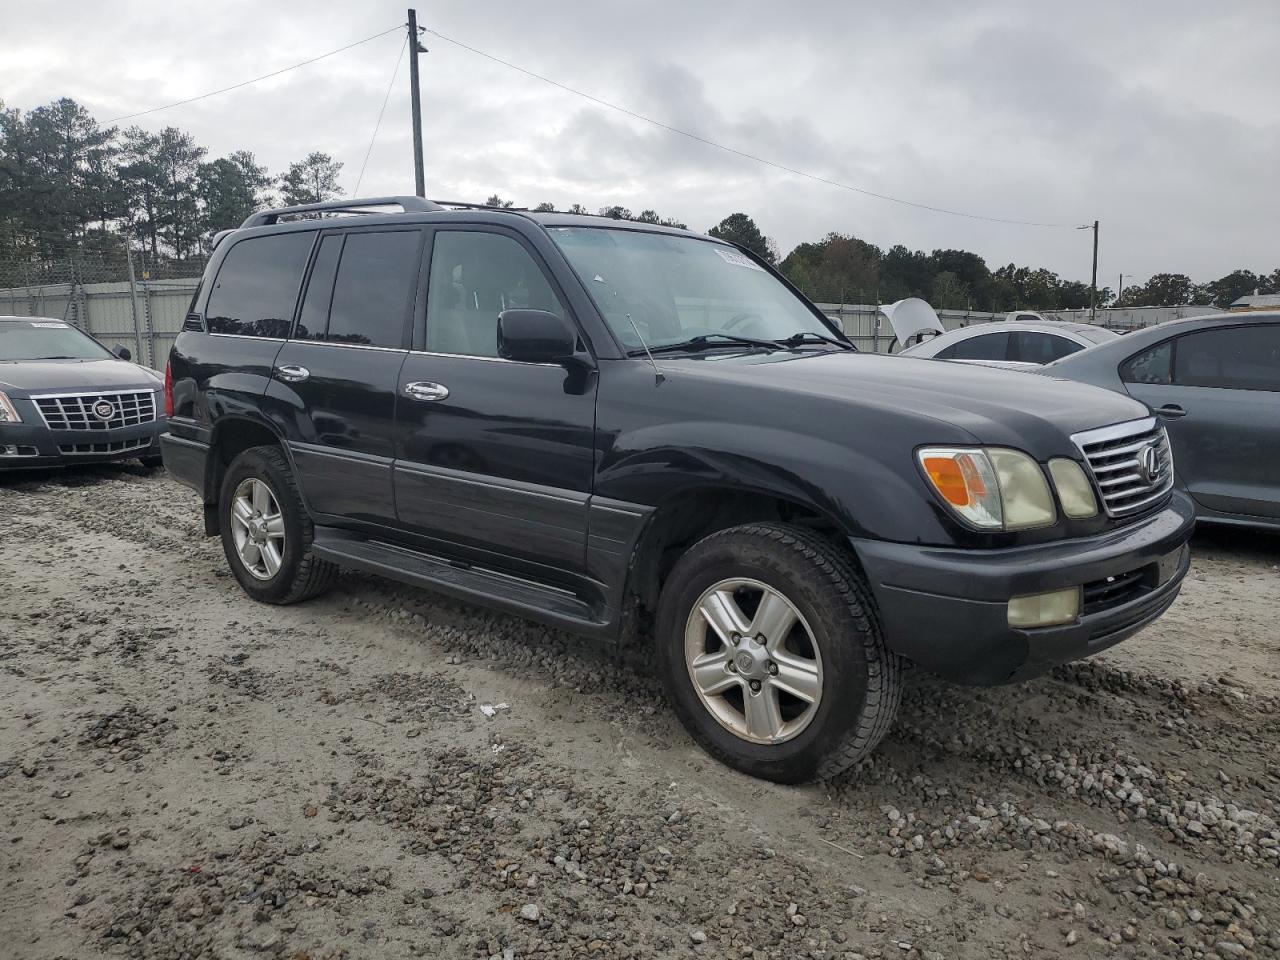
(245, 83)
(739, 153)
(394, 73)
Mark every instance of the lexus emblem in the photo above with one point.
(1149, 461)
(104, 410)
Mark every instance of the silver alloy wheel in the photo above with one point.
(257, 527)
(753, 661)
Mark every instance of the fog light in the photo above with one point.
(1045, 609)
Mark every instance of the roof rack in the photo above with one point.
(354, 207)
(478, 206)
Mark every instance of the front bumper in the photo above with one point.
(29, 445)
(947, 609)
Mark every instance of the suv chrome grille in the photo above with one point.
(83, 411)
(1131, 463)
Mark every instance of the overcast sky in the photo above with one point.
(1160, 119)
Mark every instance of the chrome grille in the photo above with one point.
(107, 446)
(75, 411)
(1131, 463)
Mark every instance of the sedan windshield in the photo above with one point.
(672, 290)
(47, 340)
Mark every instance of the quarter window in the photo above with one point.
(1233, 358)
(987, 346)
(1154, 366)
(257, 286)
(474, 277)
(1031, 347)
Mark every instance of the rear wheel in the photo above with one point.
(770, 651)
(266, 533)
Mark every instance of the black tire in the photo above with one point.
(153, 463)
(301, 575)
(861, 680)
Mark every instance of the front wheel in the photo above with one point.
(769, 648)
(266, 532)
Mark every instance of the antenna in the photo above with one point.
(658, 376)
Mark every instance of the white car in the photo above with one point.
(1006, 343)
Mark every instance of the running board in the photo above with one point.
(524, 598)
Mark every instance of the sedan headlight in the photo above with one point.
(8, 412)
(992, 488)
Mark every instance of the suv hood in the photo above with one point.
(994, 406)
(41, 376)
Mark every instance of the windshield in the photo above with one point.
(47, 340)
(669, 289)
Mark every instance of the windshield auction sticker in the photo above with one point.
(56, 326)
(737, 259)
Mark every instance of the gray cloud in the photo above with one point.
(1160, 120)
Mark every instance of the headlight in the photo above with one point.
(8, 412)
(992, 488)
(1074, 490)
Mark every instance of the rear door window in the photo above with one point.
(373, 292)
(313, 321)
(1032, 347)
(1232, 358)
(257, 286)
(988, 346)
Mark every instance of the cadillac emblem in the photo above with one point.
(104, 410)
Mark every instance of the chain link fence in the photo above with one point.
(141, 309)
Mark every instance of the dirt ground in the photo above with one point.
(185, 773)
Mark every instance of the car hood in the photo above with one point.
(994, 406)
(43, 376)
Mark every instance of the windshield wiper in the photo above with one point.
(808, 336)
(56, 357)
(705, 340)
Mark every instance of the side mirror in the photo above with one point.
(535, 336)
(122, 352)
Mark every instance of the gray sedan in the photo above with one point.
(1011, 343)
(1215, 382)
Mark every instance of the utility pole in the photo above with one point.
(1093, 285)
(1121, 293)
(419, 178)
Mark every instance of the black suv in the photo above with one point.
(599, 424)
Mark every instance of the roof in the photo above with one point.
(15, 318)
(1258, 301)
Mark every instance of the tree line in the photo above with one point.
(70, 187)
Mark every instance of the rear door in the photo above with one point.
(496, 456)
(984, 348)
(1218, 392)
(334, 383)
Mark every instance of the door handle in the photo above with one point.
(292, 373)
(425, 390)
(1171, 411)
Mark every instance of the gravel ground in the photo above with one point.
(185, 773)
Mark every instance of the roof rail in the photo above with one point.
(355, 207)
(478, 206)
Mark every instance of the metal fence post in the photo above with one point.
(133, 299)
(151, 326)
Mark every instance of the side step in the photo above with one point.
(524, 598)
